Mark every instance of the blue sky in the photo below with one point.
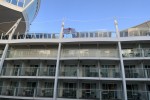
(90, 15)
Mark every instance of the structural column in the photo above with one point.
(121, 61)
(57, 64)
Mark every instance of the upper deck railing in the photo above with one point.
(56, 35)
(95, 34)
(132, 32)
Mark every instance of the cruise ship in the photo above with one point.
(97, 65)
(12, 10)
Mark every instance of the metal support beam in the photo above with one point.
(10, 33)
(57, 64)
(121, 60)
(12, 29)
(3, 57)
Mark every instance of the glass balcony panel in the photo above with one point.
(89, 93)
(147, 72)
(67, 93)
(29, 71)
(132, 53)
(10, 71)
(135, 73)
(146, 52)
(90, 72)
(108, 53)
(70, 53)
(88, 53)
(26, 91)
(8, 91)
(138, 95)
(32, 53)
(68, 71)
(111, 95)
(110, 72)
(136, 32)
(44, 92)
(47, 71)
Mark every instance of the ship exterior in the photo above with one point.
(98, 65)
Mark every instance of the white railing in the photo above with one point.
(56, 35)
(110, 72)
(19, 53)
(89, 53)
(96, 34)
(135, 32)
(138, 52)
(68, 71)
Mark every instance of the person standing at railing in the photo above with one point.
(70, 31)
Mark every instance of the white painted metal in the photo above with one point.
(58, 64)
(10, 33)
(121, 61)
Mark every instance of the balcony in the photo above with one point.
(72, 93)
(11, 71)
(36, 36)
(32, 53)
(146, 52)
(110, 73)
(109, 53)
(96, 34)
(89, 93)
(26, 92)
(29, 71)
(138, 95)
(111, 95)
(90, 72)
(137, 72)
(8, 91)
(65, 71)
(131, 53)
(45, 92)
(47, 71)
(96, 53)
(132, 32)
(67, 93)
(17, 91)
(68, 71)
(70, 53)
